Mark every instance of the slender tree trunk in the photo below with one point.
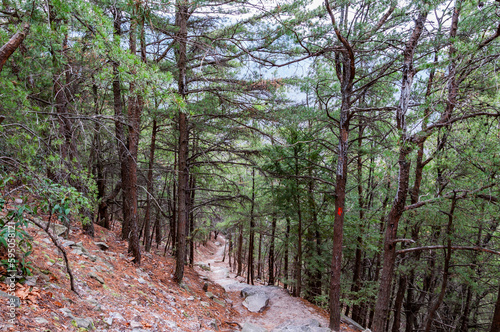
(285, 258)
(346, 71)
(181, 18)
(150, 194)
(271, 250)
(298, 258)
(389, 251)
(251, 238)
(240, 251)
(446, 274)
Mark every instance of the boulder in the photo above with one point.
(256, 302)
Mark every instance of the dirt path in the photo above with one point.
(282, 307)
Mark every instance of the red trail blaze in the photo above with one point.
(340, 211)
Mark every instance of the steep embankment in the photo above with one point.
(114, 294)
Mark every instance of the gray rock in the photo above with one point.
(135, 325)
(12, 299)
(300, 326)
(248, 327)
(31, 281)
(116, 315)
(191, 298)
(85, 323)
(351, 322)
(251, 290)
(213, 324)
(92, 274)
(102, 245)
(41, 320)
(67, 313)
(210, 295)
(256, 302)
(108, 321)
(18, 201)
(56, 229)
(222, 303)
(170, 324)
(205, 286)
(67, 243)
(141, 280)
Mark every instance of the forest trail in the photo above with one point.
(283, 309)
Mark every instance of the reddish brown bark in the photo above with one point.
(495, 323)
(181, 18)
(389, 251)
(11, 46)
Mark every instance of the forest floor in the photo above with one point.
(282, 309)
(116, 295)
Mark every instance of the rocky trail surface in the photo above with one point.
(262, 308)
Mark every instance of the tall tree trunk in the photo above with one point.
(271, 250)
(298, 258)
(240, 251)
(181, 18)
(251, 238)
(287, 249)
(150, 194)
(389, 251)
(346, 71)
(135, 105)
(446, 274)
(495, 323)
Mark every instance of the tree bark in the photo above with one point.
(181, 18)
(495, 323)
(251, 238)
(147, 218)
(271, 250)
(346, 71)
(389, 251)
(11, 46)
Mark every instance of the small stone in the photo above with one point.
(67, 313)
(108, 321)
(170, 324)
(102, 245)
(205, 287)
(221, 302)
(67, 243)
(96, 277)
(116, 315)
(31, 281)
(133, 302)
(85, 323)
(141, 281)
(205, 304)
(135, 325)
(18, 201)
(210, 295)
(191, 298)
(41, 320)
